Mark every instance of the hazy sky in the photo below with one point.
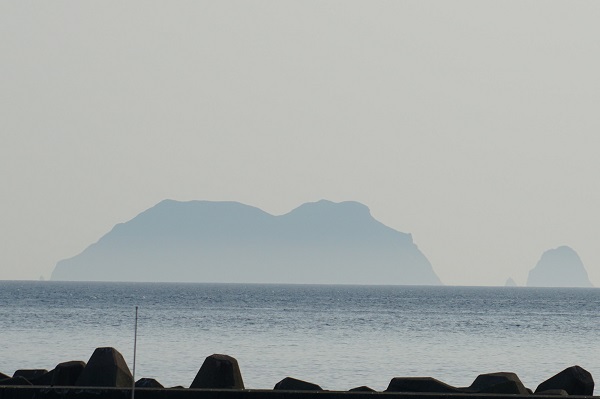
(473, 125)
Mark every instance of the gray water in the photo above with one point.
(336, 336)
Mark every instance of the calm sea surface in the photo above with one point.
(336, 336)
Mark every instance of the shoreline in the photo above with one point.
(46, 392)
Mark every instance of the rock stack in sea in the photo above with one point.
(107, 368)
(559, 267)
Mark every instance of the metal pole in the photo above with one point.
(134, 352)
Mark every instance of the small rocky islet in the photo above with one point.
(107, 368)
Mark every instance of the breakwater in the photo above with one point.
(155, 393)
(107, 375)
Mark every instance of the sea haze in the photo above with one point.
(334, 335)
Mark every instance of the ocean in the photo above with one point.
(336, 336)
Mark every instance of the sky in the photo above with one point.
(473, 125)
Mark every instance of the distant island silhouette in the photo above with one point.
(204, 241)
(559, 267)
(510, 282)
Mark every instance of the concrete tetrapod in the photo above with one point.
(506, 383)
(106, 368)
(575, 380)
(419, 384)
(67, 373)
(30, 374)
(292, 384)
(219, 372)
(44, 379)
(362, 388)
(148, 383)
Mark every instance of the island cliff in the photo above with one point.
(559, 267)
(203, 241)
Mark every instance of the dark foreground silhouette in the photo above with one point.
(106, 368)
